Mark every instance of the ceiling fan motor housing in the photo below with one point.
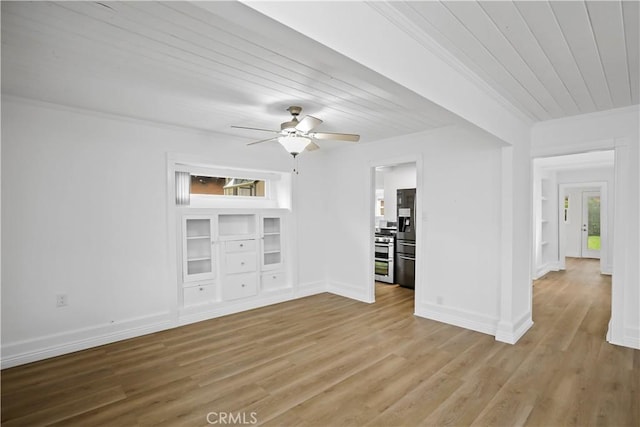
(290, 126)
(294, 110)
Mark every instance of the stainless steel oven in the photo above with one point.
(384, 255)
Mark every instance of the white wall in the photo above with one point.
(312, 189)
(84, 213)
(395, 177)
(619, 130)
(459, 196)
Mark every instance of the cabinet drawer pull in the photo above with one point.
(243, 285)
(201, 289)
(242, 263)
(275, 277)
(242, 245)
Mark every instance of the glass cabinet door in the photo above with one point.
(198, 259)
(271, 242)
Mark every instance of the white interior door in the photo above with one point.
(591, 224)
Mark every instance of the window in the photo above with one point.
(566, 209)
(224, 186)
(200, 186)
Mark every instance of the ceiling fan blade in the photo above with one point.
(350, 137)
(312, 146)
(308, 123)
(264, 130)
(262, 140)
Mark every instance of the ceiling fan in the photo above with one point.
(296, 136)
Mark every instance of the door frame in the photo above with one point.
(604, 223)
(417, 159)
(585, 252)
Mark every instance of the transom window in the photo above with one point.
(225, 186)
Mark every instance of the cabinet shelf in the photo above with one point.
(197, 237)
(198, 259)
(272, 234)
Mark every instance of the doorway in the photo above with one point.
(590, 225)
(387, 179)
(572, 219)
(585, 219)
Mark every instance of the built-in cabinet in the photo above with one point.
(231, 256)
(545, 221)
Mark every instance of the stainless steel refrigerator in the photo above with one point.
(405, 265)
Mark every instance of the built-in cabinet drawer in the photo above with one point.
(201, 294)
(240, 286)
(240, 246)
(241, 262)
(273, 280)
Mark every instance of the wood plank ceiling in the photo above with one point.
(549, 59)
(177, 63)
(226, 64)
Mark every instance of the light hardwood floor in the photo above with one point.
(328, 361)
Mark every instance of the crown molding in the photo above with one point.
(109, 115)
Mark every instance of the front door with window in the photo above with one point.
(591, 224)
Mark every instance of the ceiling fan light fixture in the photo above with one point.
(294, 144)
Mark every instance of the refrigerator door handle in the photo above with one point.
(406, 258)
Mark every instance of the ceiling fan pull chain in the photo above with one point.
(295, 165)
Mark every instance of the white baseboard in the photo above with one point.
(311, 288)
(630, 338)
(224, 308)
(546, 268)
(511, 332)
(19, 353)
(348, 290)
(454, 316)
(199, 313)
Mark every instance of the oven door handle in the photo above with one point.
(384, 259)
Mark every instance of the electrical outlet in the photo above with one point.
(62, 300)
